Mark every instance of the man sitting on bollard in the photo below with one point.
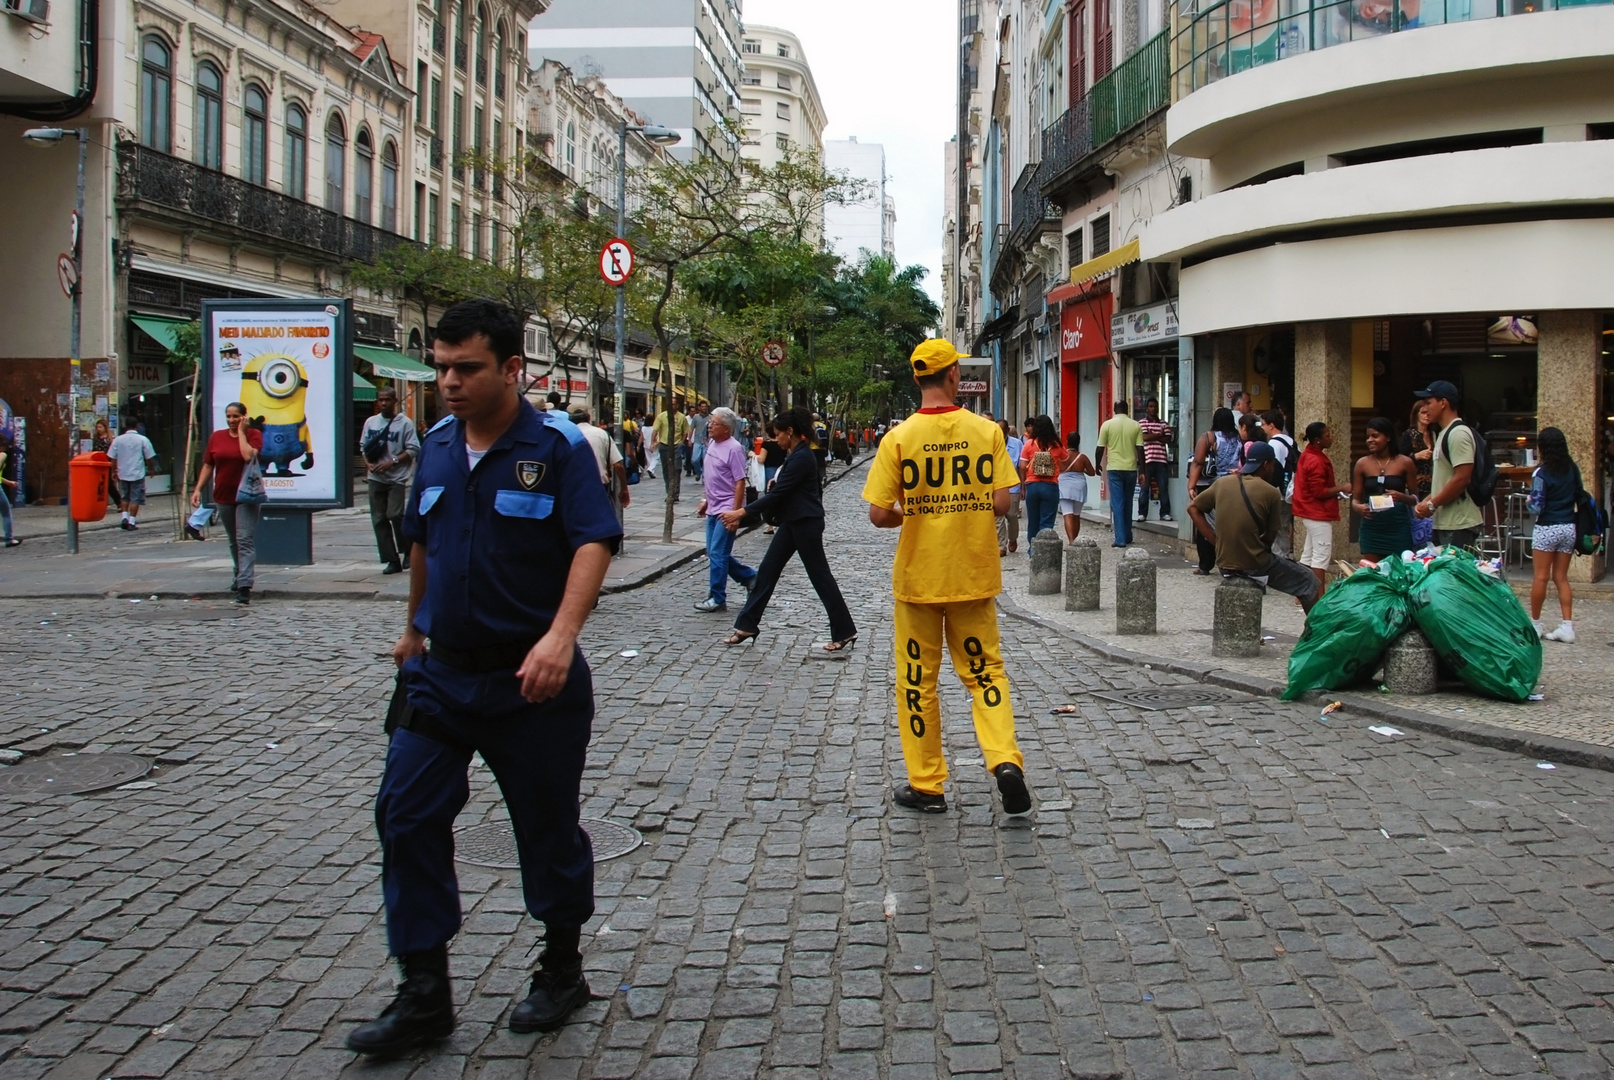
(1247, 506)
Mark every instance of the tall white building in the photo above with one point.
(866, 224)
(674, 62)
(778, 98)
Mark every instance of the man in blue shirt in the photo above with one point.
(511, 534)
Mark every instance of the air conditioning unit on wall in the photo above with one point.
(34, 11)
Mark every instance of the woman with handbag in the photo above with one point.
(1043, 459)
(796, 504)
(231, 462)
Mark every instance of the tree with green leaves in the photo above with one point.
(428, 276)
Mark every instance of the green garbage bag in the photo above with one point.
(1478, 628)
(1349, 629)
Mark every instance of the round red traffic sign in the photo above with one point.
(616, 261)
(66, 274)
(773, 353)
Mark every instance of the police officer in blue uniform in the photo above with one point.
(511, 536)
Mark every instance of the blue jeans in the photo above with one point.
(1123, 484)
(697, 459)
(1157, 473)
(723, 564)
(5, 511)
(1042, 505)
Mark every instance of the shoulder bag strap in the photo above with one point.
(1249, 505)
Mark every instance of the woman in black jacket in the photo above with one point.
(796, 502)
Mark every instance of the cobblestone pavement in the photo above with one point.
(1207, 891)
(1578, 680)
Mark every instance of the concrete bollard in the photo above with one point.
(1047, 556)
(1135, 593)
(1236, 625)
(1082, 569)
(1410, 664)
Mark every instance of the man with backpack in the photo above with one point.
(1462, 465)
(1288, 455)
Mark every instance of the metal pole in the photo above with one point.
(73, 334)
(619, 375)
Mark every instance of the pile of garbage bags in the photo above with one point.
(1478, 628)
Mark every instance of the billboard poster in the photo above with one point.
(290, 362)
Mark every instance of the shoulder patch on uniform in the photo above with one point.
(444, 422)
(566, 428)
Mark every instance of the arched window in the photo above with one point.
(571, 149)
(255, 135)
(389, 186)
(209, 116)
(480, 43)
(335, 163)
(500, 61)
(156, 94)
(363, 175)
(296, 152)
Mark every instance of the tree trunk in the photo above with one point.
(667, 380)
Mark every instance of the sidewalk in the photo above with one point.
(1572, 724)
(151, 562)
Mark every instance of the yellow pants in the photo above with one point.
(971, 629)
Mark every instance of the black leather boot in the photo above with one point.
(558, 986)
(423, 1011)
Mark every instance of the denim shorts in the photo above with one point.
(133, 492)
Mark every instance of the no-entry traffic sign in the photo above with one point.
(616, 261)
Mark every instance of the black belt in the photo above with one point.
(481, 661)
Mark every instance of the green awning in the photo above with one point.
(363, 389)
(394, 365)
(164, 331)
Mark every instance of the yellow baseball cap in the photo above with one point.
(933, 356)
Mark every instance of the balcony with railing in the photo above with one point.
(437, 153)
(462, 55)
(439, 37)
(481, 71)
(1230, 36)
(1030, 213)
(191, 195)
(498, 84)
(1135, 90)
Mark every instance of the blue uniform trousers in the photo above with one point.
(536, 754)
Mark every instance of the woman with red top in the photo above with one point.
(224, 460)
(1316, 501)
(1041, 461)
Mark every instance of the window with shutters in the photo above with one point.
(1073, 248)
(1103, 39)
(1078, 52)
(1101, 235)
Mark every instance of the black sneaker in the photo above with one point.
(556, 994)
(193, 533)
(1012, 786)
(393, 567)
(905, 796)
(243, 597)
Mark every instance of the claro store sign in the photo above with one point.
(1084, 329)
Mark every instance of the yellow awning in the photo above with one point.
(1092, 268)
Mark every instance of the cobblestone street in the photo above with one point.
(1214, 888)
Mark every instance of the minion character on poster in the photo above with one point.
(290, 365)
(274, 388)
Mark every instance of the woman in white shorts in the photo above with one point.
(1553, 489)
(1073, 486)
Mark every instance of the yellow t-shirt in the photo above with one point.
(941, 468)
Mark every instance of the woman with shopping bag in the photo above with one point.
(231, 462)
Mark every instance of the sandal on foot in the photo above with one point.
(842, 645)
(740, 637)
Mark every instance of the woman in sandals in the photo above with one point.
(796, 503)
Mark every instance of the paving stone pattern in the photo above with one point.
(1228, 890)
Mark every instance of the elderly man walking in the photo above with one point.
(723, 478)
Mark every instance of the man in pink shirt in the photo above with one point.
(723, 481)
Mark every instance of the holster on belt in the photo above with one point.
(401, 714)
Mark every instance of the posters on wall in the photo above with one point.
(290, 363)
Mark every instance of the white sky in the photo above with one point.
(884, 69)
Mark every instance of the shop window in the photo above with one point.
(255, 135)
(156, 94)
(209, 120)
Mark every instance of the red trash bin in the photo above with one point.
(88, 476)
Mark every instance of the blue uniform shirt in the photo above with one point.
(499, 540)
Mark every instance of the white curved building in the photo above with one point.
(1395, 191)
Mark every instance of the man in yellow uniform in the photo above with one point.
(943, 477)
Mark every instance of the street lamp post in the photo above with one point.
(661, 137)
(49, 136)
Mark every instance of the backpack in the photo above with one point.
(1042, 464)
(1590, 521)
(1291, 459)
(1483, 480)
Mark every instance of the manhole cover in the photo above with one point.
(1172, 697)
(189, 613)
(495, 845)
(71, 774)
